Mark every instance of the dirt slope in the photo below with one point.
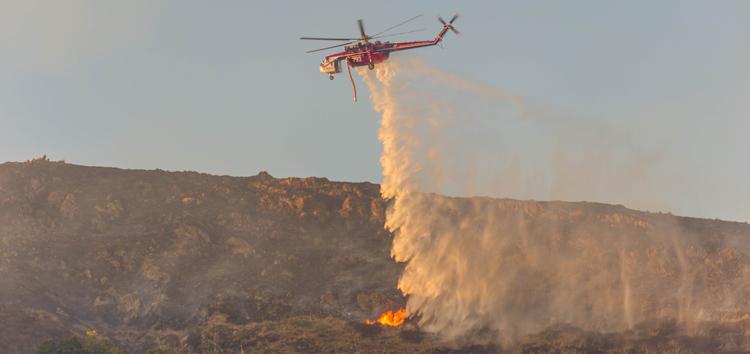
(197, 263)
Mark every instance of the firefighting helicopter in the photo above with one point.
(363, 51)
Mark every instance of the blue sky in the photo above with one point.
(226, 88)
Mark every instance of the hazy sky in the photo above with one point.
(225, 87)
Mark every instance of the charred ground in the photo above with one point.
(191, 262)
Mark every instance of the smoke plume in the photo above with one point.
(508, 267)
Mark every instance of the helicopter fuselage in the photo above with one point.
(369, 54)
(364, 52)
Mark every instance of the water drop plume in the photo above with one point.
(506, 267)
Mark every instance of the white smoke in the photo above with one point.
(509, 268)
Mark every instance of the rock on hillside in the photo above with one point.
(191, 262)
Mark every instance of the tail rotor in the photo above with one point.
(449, 24)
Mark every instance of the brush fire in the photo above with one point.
(390, 318)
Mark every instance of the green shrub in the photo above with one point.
(76, 345)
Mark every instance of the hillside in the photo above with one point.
(191, 262)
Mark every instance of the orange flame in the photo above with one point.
(390, 318)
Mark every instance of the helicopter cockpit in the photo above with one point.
(330, 67)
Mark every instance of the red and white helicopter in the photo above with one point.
(363, 51)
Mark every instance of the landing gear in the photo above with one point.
(371, 66)
(330, 77)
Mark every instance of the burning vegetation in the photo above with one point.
(390, 318)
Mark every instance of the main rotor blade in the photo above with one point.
(397, 25)
(328, 39)
(333, 46)
(361, 29)
(397, 34)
